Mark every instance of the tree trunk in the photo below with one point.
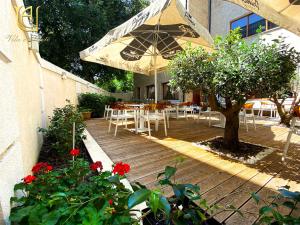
(286, 119)
(231, 132)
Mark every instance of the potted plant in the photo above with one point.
(86, 113)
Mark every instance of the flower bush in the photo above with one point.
(73, 195)
(59, 134)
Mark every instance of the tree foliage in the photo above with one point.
(68, 27)
(233, 72)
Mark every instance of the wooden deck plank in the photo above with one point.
(250, 209)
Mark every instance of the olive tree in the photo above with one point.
(290, 59)
(234, 71)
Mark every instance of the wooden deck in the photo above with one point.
(221, 180)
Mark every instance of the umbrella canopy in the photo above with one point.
(146, 42)
(284, 13)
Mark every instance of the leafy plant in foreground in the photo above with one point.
(272, 211)
(73, 195)
(186, 206)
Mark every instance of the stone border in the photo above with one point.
(97, 154)
(251, 161)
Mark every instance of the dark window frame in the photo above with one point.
(138, 93)
(174, 97)
(247, 15)
(147, 89)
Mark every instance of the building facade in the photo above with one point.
(219, 17)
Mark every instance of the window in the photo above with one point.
(138, 93)
(150, 92)
(168, 94)
(249, 24)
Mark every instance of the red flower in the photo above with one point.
(41, 166)
(49, 168)
(96, 165)
(110, 201)
(74, 152)
(29, 179)
(121, 168)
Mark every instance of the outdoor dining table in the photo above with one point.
(139, 110)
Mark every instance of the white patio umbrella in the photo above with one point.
(145, 43)
(284, 13)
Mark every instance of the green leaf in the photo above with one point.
(277, 215)
(51, 218)
(35, 216)
(256, 197)
(179, 190)
(290, 194)
(121, 220)
(265, 210)
(164, 205)
(91, 216)
(289, 204)
(114, 179)
(154, 200)
(169, 171)
(138, 197)
(18, 215)
(58, 194)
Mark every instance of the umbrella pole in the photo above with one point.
(155, 73)
(155, 79)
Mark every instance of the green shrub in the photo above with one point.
(73, 195)
(59, 134)
(95, 102)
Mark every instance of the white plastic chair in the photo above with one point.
(155, 116)
(107, 111)
(247, 113)
(267, 107)
(292, 130)
(123, 115)
(208, 113)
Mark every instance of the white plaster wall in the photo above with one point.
(221, 15)
(30, 88)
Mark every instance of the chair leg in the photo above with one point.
(246, 124)
(209, 120)
(156, 125)
(126, 123)
(149, 128)
(110, 121)
(168, 120)
(254, 123)
(117, 126)
(286, 146)
(165, 124)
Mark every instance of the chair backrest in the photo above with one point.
(296, 111)
(157, 106)
(248, 107)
